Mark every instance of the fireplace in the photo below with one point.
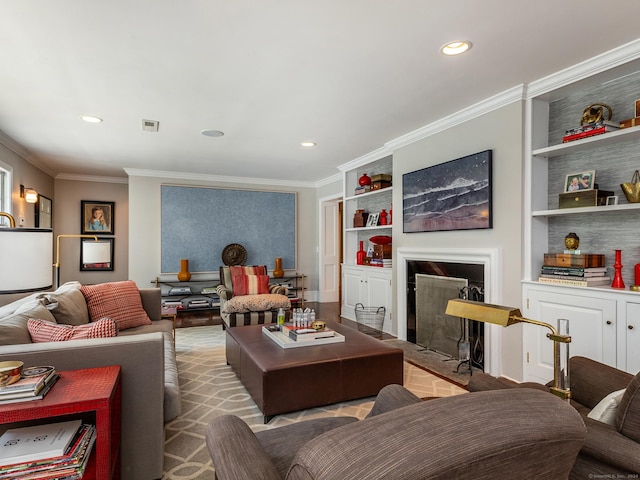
(478, 268)
(429, 287)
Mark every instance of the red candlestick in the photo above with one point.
(617, 277)
(637, 272)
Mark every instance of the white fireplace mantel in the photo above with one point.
(489, 258)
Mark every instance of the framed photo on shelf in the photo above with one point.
(96, 255)
(580, 181)
(612, 200)
(372, 219)
(97, 217)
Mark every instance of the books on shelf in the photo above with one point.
(26, 444)
(574, 271)
(208, 290)
(70, 464)
(585, 131)
(576, 281)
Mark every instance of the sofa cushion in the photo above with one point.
(628, 418)
(43, 331)
(605, 411)
(250, 284)
(68, 304)
(255, 303)
(118, 300)
(13, 329)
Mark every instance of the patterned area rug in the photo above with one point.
(210, 388)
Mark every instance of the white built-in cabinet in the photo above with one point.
(604, 322)
(370, 286)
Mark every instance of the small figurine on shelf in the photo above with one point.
(383, 217)
(572, 242)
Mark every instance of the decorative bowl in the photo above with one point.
(318, 325)
(10, 372)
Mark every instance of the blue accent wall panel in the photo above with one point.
(198, 222)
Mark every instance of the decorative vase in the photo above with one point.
(278, 272)
(183, 274)
(383, 217)
(360, 255)
(364, 180)
(617, 277)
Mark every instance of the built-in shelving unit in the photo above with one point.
(604, 322)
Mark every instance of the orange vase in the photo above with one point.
(278, 272)
(183, 274)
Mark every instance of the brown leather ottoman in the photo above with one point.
(284, 380)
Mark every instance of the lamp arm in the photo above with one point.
(57, 264)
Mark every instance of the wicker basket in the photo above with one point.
(369, 318)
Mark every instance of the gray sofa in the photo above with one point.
(146, 354)
(487, 435)
(610, 450)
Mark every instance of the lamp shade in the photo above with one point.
(26, 257)
(96, 252)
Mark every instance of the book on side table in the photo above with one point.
(34, 385)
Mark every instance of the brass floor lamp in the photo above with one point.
(505, 316)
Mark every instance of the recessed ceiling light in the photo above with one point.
(308, 144)
(91, 119)
(212, 133)
(455, 48)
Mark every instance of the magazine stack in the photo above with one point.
(47, 452)
(34, 385)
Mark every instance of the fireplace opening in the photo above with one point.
(430, 285)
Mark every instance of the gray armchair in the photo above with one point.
(497, 434)
(609, 450)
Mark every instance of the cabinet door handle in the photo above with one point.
(609, 322)
(630, 327)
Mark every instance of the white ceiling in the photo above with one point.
(350, 75)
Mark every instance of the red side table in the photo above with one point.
(80, 394)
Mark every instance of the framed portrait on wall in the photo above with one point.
(97, 217)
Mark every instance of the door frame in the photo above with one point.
(332, 199)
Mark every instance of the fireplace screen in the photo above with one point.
(434, 329)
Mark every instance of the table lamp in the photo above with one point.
(26, 260)
(505, 316)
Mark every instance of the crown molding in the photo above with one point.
(487, 105)
(23, 153)
(605, 61)
(326, 181)
(367, 158)
(134, 172)
(91, 178)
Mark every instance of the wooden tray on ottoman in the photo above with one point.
(285, 380)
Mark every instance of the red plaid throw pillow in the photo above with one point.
(43, 331)
(118, 300)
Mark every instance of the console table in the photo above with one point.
(92, 394)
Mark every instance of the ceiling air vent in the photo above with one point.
(150, 125)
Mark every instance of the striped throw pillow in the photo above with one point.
(250, 284)
(43, 331)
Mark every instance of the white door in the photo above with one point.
(329, 278)
(632, 329)
(591, 326)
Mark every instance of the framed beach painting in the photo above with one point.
(454, 195)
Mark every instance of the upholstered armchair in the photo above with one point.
(247, 297)
(484, 435)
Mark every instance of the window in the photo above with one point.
(5, 187)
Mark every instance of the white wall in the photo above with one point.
(501, 131)
(144, 225)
